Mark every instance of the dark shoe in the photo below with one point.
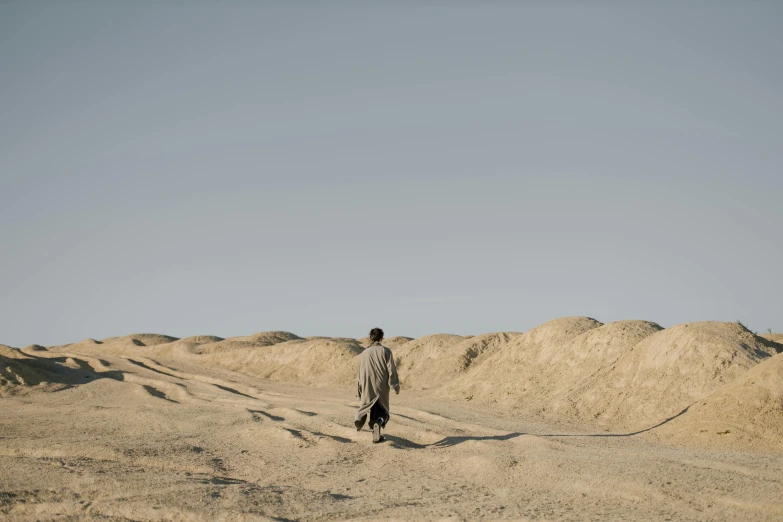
(376, 433)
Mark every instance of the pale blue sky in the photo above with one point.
(326, 167)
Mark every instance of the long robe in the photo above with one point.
(377, 376)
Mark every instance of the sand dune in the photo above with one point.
(202, 339)
(621, 375)
(746, 412)
(147, 339)
(418, 359)
(392, 342)
(509, 376)
(211, 344)
(570, 371)
(90, 342)
(574, 419)
(309, 361)
(776, 337)
(21, 373)
(133, 435)
(669, 370)
(435, 360)
(268, 338)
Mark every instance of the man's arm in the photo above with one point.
(361, 378)
(394, 380)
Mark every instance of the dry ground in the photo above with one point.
(147, 439)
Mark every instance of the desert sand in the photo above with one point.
(572, 420)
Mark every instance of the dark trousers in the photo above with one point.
(378, 412)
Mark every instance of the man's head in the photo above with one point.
(376, 335)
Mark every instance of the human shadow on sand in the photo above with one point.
(399, 442)
(631, 434)
(447, 442)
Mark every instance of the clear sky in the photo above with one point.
(325, 167)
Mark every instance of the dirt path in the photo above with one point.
(148, 439)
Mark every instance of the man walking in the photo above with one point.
(377, 375)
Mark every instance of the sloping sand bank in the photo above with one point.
(156, 438)
(572, 420)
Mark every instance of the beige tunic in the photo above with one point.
(377, 375)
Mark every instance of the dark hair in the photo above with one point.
(376, 335)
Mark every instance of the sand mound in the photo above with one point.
(392, 342)
(14, 375)
(561, 370)
(552, 335)
(473, 350)
(511, 372)
(747, 412)
(87, 344)
(269, 338)
(775, 337)
(11, 353)
(625, 375)
(259, 340)
(668, 371)
(149, 339)
(317, 361)
(160, 438)
(429, 345)
(599, 346)
(19, 372)
(415, 358)
(224, 346)
(201, 339)
(594, 349)
(130, 341)
(434, 360)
